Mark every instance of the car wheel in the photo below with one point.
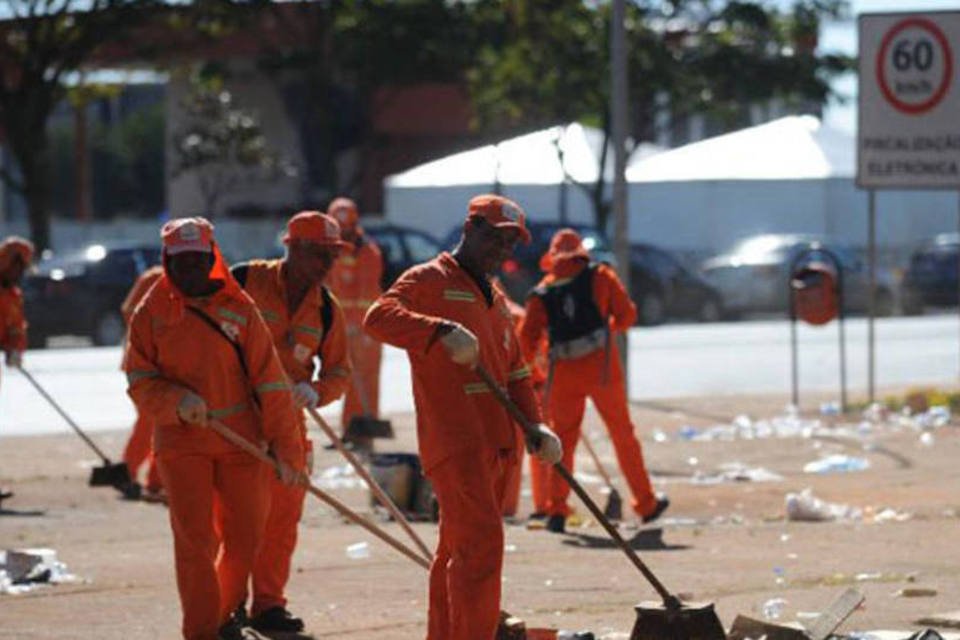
(883, 303)
(109, 329)
(651, 309)
(710, 310)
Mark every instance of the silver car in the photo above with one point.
(753, 276)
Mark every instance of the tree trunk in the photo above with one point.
(36, 183)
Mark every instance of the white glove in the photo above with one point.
(192, 409)
(461, 345)
(304, 395)
(550, 449)
(15, 359)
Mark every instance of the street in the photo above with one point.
(671, 361)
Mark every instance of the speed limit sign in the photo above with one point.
(909, 101)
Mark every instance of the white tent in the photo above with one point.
(528, 168)
(789, 175)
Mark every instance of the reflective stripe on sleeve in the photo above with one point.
(272, 386)
(133, 376)
(519, 374)
(230, 315)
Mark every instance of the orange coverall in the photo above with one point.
(139, 447)
(298, 339)
(467, 440)
(355, 280)
(575, 380)
(538, 469)
(170, 351)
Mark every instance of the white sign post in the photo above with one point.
(908, 134)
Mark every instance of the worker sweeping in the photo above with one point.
(199, 348)
(355, 280)
(448, 318)
(15, 256)
(306, 324)
(139, 447)
(579, 304)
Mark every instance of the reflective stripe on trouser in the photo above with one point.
(271, 571)
(217, 513)
(365, 354)
(467, 564)
(574, 382)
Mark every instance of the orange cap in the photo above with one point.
(564, 245)
(345, 211)
(499, 212)
(187, 234)
(15, 246)
(315, 227)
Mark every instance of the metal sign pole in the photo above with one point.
(958, 254)
(618, 121)
(872, 289)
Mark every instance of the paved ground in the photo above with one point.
(728, 543)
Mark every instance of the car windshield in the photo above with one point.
(767, 248)
(72, 263)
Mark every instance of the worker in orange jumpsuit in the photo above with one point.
(448, 318)
(355, 280)
(15, 256)
(579, 304)
(306, 324)
(199, 349)
(538, 470)
(139, 448)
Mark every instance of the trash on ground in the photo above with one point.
(358, 551)
(837, 463)
(735, 472)
(745, 627)
(805, 507)
(949, 620)
(915, 592)
(339, 477)
(24, 570)
(772, 609)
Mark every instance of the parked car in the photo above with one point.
(522, 272)
(753, 276)
(662, 287)
(79, 293)
(931, 276)
(402, 247)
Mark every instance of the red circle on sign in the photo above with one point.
(934, 30)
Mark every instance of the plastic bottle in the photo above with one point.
(358, 551)
(837, 463)
(772, 609)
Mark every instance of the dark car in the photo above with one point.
(79, 293)
(931, 276)
(522, 272)
(662, 287)
(402, 247)
(753, 276)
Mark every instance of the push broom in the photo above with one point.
(669, 619)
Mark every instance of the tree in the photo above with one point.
(550, 63)
(42, 43)
(222, 144)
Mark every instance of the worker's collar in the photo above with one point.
(481, 280)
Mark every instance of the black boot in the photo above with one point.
(276, 619)
(662, 503)
(557, 523)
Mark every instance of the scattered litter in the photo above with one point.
(659, 435)
(772, 609)
(837, 463)
(915, 592)
(927, 439)
(886, 515)
(339, 477)
(949, 620)
(830, 408)
(25, 570)
(805, 507)
(358, 551)
(510, 548)
(735, 472)
(780, 573)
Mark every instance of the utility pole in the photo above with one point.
(618, 132)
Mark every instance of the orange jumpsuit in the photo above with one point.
(13, 323)
(138, 449)
(574, 380)
(467, 440)
(298, 338)
(538, 469)
(355, 280)
(169, 351)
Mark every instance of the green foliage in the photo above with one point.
(221, 143)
